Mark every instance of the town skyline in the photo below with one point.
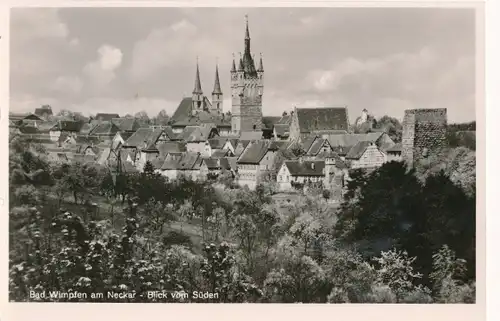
(388, 60)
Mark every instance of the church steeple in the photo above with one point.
(217, 89)
(217, 98)
(197, 82)
(197, 98)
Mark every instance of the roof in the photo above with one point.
(232, 162)
(70, 125)
(170, 133)
(316, 146)
(18, 116)
(349, 140)
(106, 117)
(103, 157)
(305, 168)
(396, 148)
(183, 113)
(329, 132)
(170, 147)
(217, 143)
(89, 140)
(144, 138)
(282, 130)
(254, 153)
(88, 127)
(251, 135)
(285, 119)
(199, 134)
(212, 163)
(126, 124)
(326, 118)
(278, 145)
(46, 125)
(307, 142)
(358, 150)
(220, 153)
(187, 160)
(105, 128)
(28, 130)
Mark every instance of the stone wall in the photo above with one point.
(424, 134)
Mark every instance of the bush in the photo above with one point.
(177, 238)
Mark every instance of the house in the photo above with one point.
(213, 166)
(120, 139)
(106, 117)
(394, 153)
(305, 121)
(70, 127)
(297, 173)
(44, 112)
(20, 117)
(315, 146)
(166, 149)
(105, 131)
(144, 138)
(212, 145)
(198, 137)
(185, 165)
(257, 163)
(365, 154)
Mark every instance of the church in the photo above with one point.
(247, 85)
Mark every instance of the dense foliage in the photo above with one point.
(79, 228)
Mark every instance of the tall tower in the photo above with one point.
(197, 98)
(247, 86)
(217, 96)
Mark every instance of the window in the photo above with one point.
(279, 178)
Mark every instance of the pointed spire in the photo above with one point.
(247, 37)
(233, 68)
(247, 33)
(261, 65)
(197, 82)
(217, 89)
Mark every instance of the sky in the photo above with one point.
(125, 60)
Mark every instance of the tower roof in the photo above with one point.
(197, 82)
(217, 89)
(248, 62)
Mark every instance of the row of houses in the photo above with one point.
(303, 149)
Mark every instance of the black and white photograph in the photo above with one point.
(243, 155)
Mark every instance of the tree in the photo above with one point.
(162, 118)
(142, 117)
(391, 126)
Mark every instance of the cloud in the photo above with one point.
(102, 71)
(67, 84)
(40, 23)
